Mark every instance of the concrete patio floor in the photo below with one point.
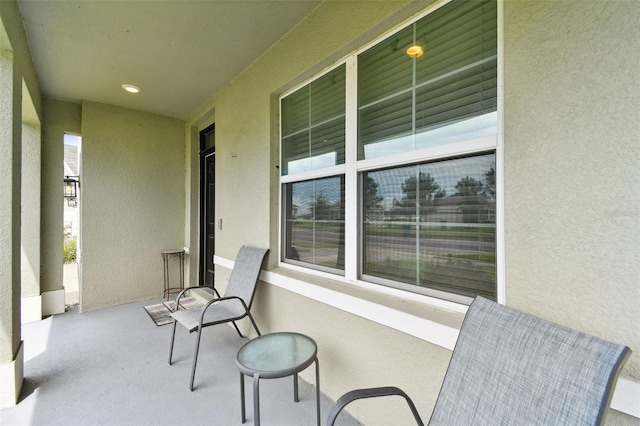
(110, 367)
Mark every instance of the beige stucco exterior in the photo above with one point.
(572, 163)
(571, 203)
(20, 106)
(132, 206)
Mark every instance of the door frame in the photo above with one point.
(204, 153)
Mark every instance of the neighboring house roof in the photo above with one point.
(71, 160)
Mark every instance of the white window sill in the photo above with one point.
(434, 325)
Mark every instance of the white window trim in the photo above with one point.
(352, 167)
(430, 330)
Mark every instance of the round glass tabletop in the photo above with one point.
(277, 354)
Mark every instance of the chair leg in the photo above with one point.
(173, 338)
(254, 323)
(237, 329)
(195, 359)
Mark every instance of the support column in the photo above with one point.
(11, 353)
(30, 235)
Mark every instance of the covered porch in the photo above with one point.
(563, 217)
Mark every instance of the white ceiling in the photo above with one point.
(180, 53)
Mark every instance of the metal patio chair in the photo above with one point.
(511, 368)
(235, 305)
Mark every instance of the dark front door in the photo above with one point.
(207, 205)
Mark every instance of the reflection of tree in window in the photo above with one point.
(424, 190)
(322, 208)
(372, 199)
(489, 191)
(468, 191)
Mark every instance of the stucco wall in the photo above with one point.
(30, 226)
(18, 76)
(132, 208)
(571, 167)
(10, 162)
(19, 103)
(572, 163)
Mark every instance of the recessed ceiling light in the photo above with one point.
(131, 88)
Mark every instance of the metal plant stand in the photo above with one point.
(168, 290)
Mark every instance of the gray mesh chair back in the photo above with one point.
(244, 276)
(509, 367)
(512, 368)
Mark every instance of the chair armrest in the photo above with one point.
(349, 397)
(220, 299)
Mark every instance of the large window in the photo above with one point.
(419, 160)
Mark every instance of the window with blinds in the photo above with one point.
(448, 94)
(313, 127)
(426, 218)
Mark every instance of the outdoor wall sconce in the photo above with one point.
(71, 190)
(70, 186)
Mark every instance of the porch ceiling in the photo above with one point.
(180, 53)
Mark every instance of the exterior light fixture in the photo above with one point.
(70, 186)
(72, 202)
(415, 51)
(131, 88)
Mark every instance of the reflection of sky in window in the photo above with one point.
(311, 163)
(304, 193)
(72, 139)
(472, 128)
(445, 173)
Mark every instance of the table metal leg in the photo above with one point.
(318, 389)
(244, 413)
(295, 387)
(256, 399)
(165, 261)
(182, 271)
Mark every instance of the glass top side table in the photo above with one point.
(273, 356)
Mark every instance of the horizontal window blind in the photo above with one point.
(454, 81)
(313, 125)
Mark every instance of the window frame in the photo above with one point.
(352, 170)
